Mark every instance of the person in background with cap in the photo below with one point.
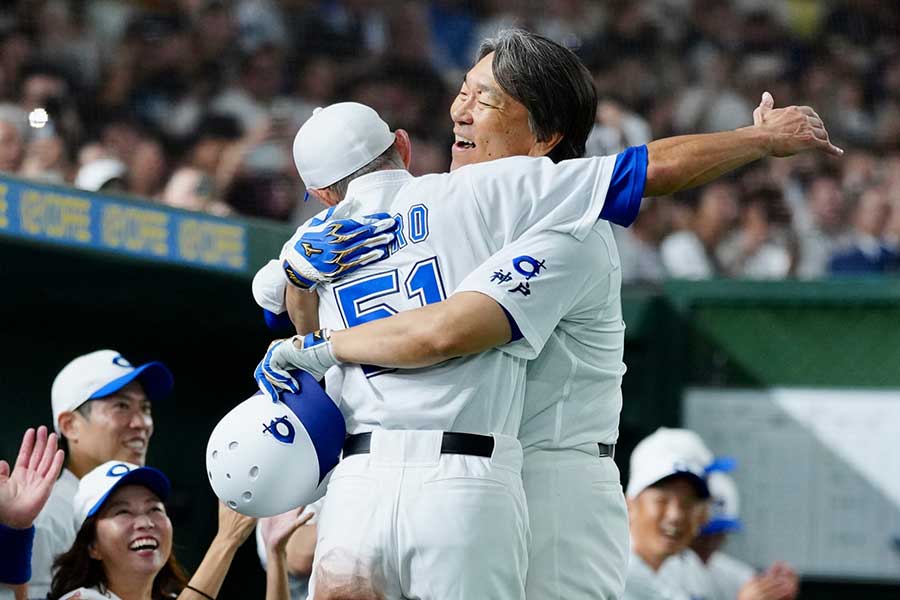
(101, 409)
(123, 546)
(667, 498)
(23, 493)
(704, 571)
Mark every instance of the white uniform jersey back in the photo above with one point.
(450, 224)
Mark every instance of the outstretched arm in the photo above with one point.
(686, 161)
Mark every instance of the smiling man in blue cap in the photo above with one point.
(102, 410)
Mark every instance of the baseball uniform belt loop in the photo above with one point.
(607, 450)
(452, 443)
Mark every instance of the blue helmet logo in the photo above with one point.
(281, 429)
(117, 470)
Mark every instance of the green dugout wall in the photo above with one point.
(80, 272)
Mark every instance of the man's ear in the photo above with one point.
(403, 145)
(325, 196)
(69, 426)
(544, 148)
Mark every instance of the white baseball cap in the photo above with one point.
(265, 458)
(337, 140)
(667, 452)
(99, 484)
(101, 373)
(724, 508)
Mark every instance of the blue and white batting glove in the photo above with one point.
(314, 355)
(323, 251)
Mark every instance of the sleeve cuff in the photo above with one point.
(626, 189)
(15, 554)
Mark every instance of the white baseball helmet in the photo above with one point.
(265, 458)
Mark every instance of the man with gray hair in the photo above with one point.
(580, 540)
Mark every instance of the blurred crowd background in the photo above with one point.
(194, 103)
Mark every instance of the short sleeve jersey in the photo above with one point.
(450, 224)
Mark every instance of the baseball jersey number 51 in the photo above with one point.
(369, 298)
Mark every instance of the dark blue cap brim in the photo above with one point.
(152, 479)
(155, 377)
(698, 482)
(722, 526)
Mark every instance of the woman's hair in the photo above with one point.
(76, 569)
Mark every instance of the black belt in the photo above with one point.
(452, 443)
(607, 450)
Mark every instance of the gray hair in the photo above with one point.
(551, 82)
(389, 159)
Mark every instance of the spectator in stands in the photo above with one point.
(123, 545)
(691, 253)
(101, 407)
(23, 494)
(297, 551)
(705, 572)
(867, 252)
(667, 504)
(821, 227)
(13, 132)
(638, 245)
(763, 246)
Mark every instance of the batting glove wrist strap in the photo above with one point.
(311, 353)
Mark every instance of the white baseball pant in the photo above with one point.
(405, 521)
(579, 525)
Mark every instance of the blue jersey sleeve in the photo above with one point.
(15, 554)
(626, 188)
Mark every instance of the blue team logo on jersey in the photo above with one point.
(117, 470)
(528, 266)
(281, 429)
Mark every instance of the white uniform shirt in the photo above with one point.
(573, 394)
(89, 594)
(451, 223)
(642, 583)
(686, 572)
(728, 575)
(54, 534)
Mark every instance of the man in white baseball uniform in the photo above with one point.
(434, 465)
(579, 525)
(705, 572)
(667, 504)
(101, 409)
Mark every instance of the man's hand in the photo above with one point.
(779, 582)
(311, 353)
(24, 492)
(323, 251)
(792, 129)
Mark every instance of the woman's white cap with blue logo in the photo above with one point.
(338, 140)
(95, 488)
(101, 373)
(265, 458)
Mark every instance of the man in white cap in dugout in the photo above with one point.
(102, 410)
(705, 572)
(667, 498)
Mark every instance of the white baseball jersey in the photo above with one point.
(450, 224)
(686, 572)
(643, 583)
(573, 393)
